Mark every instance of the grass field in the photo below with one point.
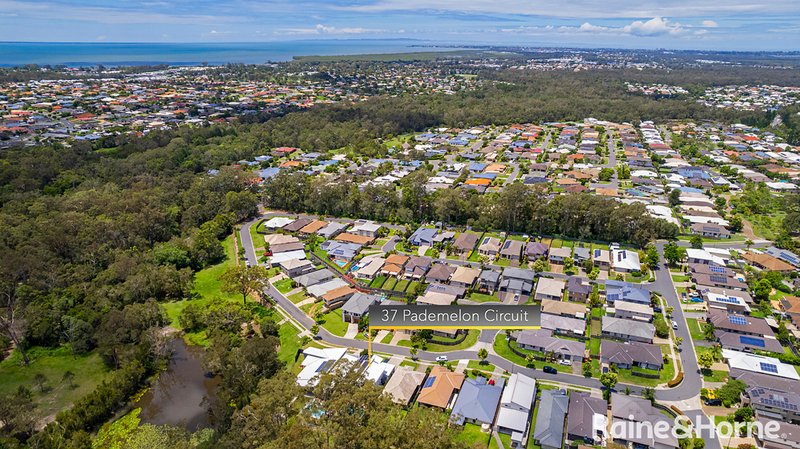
(284, 285)
(400, 286)
(297, 297)
(290, 343)
(475, 364)
(481, 297)
(681, 278)
(88, 369)
(390, 283)
(694, 329)
(472, 338)
(471, 434)
(388, 338)
(378, 282)
(714, 375)
(332, 321)
(502, 349)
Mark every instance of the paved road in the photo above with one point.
(688, 389)
(612, 151)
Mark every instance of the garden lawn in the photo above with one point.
(290, 343)
(332, 321)
(472, 338)
(714, 375)
(284, 285)
(472, 434)
(475, 364)
(390, 283)
(377, 282)
(88, 369)
(482, 297)
(297, 297)
(388, 338)
(400, 286)
(694, 329)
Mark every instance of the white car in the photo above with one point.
(674, 324)
(441, 358)
(565, 362)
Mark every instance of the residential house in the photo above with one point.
(313, 227)
(423, 237)
(549, 289)
(790, 305)
(488, 281)
(578, 290)
(465, 276)
(633, 311)
(775, 404)
(787, 436)
(722, 320)
(319, 360)
(548, 432)
(517, 281)
(571, 327)
(630, 354)
(348, 237)
(440, 272)
(558, 255)
(767, 262)
(338, 296)
(748, 343)
(296, 267)
(585, 415)
(563, 308)
(394, 265)
(535, 250)
(624, 291)
(710, 230)
(477, 401)
(516, 404)
(704, 257)
(625, 260)
(718, 280)
(465, 243)
(341, 251)
(357, 307)
(542, 340)
(632, 410)
(332, 230)
(760, 364)
(417, 267)
(580, 254)
(298, 224)
(512, 249)
(369, 268)
(490, 247)
(404, 384)
(440, 387)
(627, 330)
(729, 302)
(366, 229)
(315, 277)
(379, 370)
(601, 259)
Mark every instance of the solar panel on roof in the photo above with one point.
(769, 367)
(715, 269)
(752, 341)
(429, 382)
(738, 320)
(719, 279)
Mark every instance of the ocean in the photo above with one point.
(116, 54)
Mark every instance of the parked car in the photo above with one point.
(674, 324)
(441, 358)
(550, 370)
(565, 362)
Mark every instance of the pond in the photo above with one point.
(181, 395)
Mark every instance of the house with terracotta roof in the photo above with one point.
(767, 262)
(353, 238)
(440, 387)
(394, 265)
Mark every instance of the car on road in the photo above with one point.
(674, 324)
(550, 370)
(441, 358)
(565, 362)
(247, 264)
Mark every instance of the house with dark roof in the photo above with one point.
(627, 330)
(517, 281)
(710, 230)
(542, 340)
(624, 291)
(535, 250)
(584, 414)
(477, 401)
(775, 404)
(627, 355)
(298, 224)
(488, 280)
(417, 267)
(738, 324)
(632, 410)
(465, 243)
(511, 249)
(357, 307)
(578, 290)
(440, 272)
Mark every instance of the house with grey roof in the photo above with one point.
(315, 277)
(628, 355)
(423, 237)
(586, 414)
(535, 250)
(563, 325)
(332, 229)
(549, 429)
(517, 281)
(631, 410)
(357, 307)
(465, 243)
(542, 340)
(775, 404)
(477, 401)
(627, 330)
(488, 281)
(516, 404)
(440, 272)
(490, 246)
(417, 267)
(511, 249)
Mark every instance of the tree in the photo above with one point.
(744, 414)
(736, 224)
(606, 174)
(783, 334)
(69, 378)
(649, 394)
(748, 243)
(705, 360)
(482, 354)
(674, 197)
(709, 332)
(652, 256)
(696, 241)
(731, 392)
(314, 329)
(587, 369)
(413, 351)
(41, 381)
(609, 381)
(762, 290)
(243, 280)
(673, 253)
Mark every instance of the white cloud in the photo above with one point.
(324, 29)
(710, 24)
(654, 27)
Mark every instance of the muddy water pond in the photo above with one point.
(180, 395)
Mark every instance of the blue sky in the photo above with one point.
(679, 24)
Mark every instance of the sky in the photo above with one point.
(674, 24)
